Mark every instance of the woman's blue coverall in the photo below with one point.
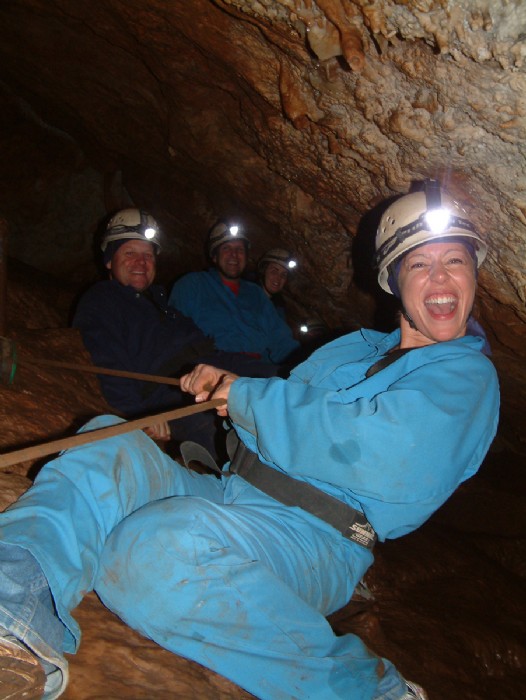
(216, 571)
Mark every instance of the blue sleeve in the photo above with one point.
(410, 444)
(186, 297)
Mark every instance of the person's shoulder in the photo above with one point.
(362, 337)
(347, 348)
(249, 284)
(190, 279)
(463, 355)
(100, 290)
(255, 291)
(102, 302)
(195, 275)
(158, 292)
(468, 347)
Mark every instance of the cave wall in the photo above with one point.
(297, 118)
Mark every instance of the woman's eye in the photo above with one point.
(416, 265)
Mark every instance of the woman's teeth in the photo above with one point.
(442, 304)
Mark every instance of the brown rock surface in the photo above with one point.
(295, 117)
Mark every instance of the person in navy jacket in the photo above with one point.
(126, 324)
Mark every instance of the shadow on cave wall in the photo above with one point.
(365, 273)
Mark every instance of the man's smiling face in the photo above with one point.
(231, 259)
(133, 264)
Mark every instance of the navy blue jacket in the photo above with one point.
(137, 332)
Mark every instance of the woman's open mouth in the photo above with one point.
(441, 304)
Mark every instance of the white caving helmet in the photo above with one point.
(131, 224)
(221, 233)
(280, 256)
(417, 218)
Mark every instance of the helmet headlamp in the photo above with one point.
(437, 220)
(437, 216)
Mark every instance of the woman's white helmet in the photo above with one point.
(131, 224)
(417, 218)
(280, 256)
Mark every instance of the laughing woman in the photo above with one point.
(388, 425)
(363, 442)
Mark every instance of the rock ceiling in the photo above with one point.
(295, 117)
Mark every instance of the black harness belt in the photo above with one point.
(350, 522)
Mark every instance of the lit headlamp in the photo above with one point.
(436, 216)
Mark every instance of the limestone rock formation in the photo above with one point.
(295, 117)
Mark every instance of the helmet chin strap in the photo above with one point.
(394, 269)
(412, 324)
(409, 319)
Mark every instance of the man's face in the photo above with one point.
(133, 264)
(231, 259)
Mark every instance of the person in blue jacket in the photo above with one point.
(126, 324)
(236, 313)
(363, 442)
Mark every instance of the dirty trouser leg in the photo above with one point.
(243, 589)
(63, 522)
